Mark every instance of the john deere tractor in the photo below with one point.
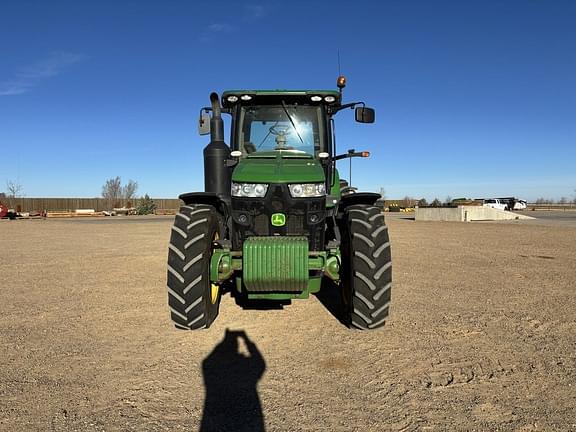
(273, 220)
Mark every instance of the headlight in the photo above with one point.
(250, 190)
(307, 190)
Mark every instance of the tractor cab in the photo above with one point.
(294, 123)
(281, 124)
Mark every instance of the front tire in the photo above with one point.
(366, 267)
(192, 298)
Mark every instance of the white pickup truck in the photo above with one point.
(496, 204)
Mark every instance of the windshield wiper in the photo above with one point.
(267, 135)
(292, 122)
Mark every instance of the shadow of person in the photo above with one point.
(231, 379)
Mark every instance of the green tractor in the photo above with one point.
(274, 220)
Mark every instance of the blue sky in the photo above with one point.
(473, 98)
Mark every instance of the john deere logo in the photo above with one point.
(278, 219)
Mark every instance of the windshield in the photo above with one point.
(270, 128)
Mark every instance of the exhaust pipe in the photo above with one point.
(216, 122)
(217, 176)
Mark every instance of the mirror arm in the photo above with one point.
(334, 110)
(348, 155)
(351, 154)
(209, 109)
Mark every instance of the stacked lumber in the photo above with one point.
(164, 212)
(68, 214)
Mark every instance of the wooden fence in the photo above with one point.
(99, 204)
(72, 204)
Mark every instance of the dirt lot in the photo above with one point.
(482, 337)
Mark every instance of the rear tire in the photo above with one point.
(366, 273)
(192, 298)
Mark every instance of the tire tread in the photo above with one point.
(370, 267)
(186, 277)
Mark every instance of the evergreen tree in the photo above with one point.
(146, 206)
(436, 203)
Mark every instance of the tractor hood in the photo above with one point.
(277, 168)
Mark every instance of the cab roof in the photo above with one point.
(250, 97)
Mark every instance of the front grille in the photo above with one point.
(261, 223)
(295, 224)
(252, 217)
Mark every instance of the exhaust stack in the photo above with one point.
(216, 173)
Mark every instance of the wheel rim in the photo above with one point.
(214, 288)
(214, 291)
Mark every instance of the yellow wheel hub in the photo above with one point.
(214, 289)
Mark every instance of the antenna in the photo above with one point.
(339, 62)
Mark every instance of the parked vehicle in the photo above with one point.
(520, 205)
(495, 203)
(513, 203)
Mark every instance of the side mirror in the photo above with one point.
(364, 115)
(204, 124)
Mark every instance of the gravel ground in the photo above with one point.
(482, 337)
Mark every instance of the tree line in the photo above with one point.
(562, 200)
(117, 194)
